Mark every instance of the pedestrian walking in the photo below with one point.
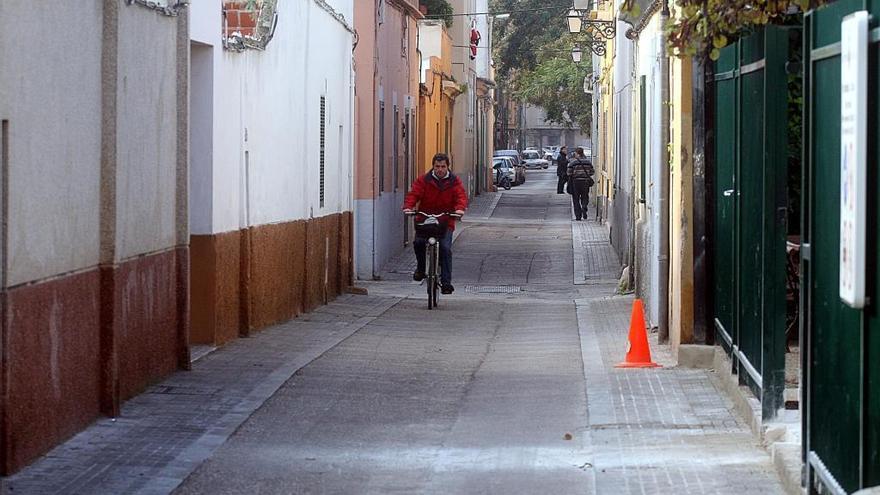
(580, 179)
(562, 170)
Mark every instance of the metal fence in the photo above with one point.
(842, 344)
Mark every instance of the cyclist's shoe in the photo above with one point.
(447, 289)
(418, 275)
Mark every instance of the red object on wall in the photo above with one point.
(475, 40)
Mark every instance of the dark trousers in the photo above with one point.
(419, 246)
(580, 198)
(560, 184)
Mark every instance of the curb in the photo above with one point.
(781, 440)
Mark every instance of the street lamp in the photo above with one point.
(576, 54)
(574, 22)
(585, 18)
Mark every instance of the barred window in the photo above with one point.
(321, 146)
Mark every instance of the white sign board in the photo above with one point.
(853, 128)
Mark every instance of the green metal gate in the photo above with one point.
(750, 210)
(842, 374)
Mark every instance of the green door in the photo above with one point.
(750, 210)
(725, 187)
(842, 389)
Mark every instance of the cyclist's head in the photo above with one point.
(440, 163)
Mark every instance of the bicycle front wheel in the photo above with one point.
(432, 276)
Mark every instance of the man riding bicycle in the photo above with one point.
(438, 191)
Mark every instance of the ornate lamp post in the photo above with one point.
(581, 17)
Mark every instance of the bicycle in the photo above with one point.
(433, 230)
(503, 179)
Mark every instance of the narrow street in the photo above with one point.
(508, 387)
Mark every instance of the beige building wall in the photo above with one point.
(681, 262)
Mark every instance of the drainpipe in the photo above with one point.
(663, 260)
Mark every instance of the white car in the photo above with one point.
(533, 159)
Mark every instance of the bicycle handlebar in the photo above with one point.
(431, 215)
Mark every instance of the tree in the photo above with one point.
(557, 85)
(533, 60)
(440, 8)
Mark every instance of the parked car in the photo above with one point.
(533, 159)
(512, 153)
(518, 169)
(518, 162)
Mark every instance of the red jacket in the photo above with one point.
(435, 195)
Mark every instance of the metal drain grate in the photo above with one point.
(492, 289)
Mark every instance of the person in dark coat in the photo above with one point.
(562, 170)
(580, 174)
(438, 191)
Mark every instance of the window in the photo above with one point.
(381, 164)
(322, 138)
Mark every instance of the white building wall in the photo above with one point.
(266, 144)
(146, 139)
(54, 140)
(647, 64)
(484, 54)
(464, 72)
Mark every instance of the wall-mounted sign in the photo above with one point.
(853, 125)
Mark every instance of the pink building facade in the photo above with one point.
(386, 115)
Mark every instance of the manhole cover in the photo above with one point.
(492, 289)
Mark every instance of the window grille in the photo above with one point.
(321, 146)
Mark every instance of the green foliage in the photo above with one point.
(530, 27)
(441, 8)
(557, 85)
(532, 53)
(704, 27)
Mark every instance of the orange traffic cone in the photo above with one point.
(638, 354)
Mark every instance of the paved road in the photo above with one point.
(489, 393)
(508, 387)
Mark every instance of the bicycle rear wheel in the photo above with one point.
(432, 276)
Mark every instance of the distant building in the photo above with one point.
(538, 132)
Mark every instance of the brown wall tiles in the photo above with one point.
(297, 251)
(146, 321)
(332, 268)
(274, 255)
(52, 368)
(315, 259)
(346, 252)
(181, 260)
(215, 283)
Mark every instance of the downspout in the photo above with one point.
(374, 178)
(663, 260)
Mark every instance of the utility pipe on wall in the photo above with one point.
(663, 260)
